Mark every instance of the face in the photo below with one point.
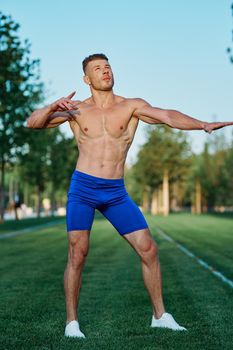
(99, 75)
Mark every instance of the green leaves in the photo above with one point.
(20, 92)
(165, 149)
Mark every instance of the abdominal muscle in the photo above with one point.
(103, 157)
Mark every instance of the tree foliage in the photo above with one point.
(49, 158)
(213, 168)
(165, 149)
(20, 91)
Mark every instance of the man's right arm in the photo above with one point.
(46, 118)
(52, 115)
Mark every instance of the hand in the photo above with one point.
(209, 127)
(64, 103)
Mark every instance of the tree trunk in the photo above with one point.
(26, 195)
(160, 200)
(166, 208)
(198, 197)
(155, 203)
(146, 200)
(11, 190)
(39, 202)
(2, 191)
(53, 200)
(16, 212)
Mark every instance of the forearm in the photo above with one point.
(182, 121)
(173, 118)
(39, 117)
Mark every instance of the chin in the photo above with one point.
(106, 88)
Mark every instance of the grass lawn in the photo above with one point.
(15, 225)
(115, 311)
(208, 236)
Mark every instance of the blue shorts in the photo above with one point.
(87, 193)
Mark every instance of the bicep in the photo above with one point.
(148, 120)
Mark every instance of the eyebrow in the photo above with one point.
(97, 66)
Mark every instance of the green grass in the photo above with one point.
(115, 311)
(208, 236)
(15, 225)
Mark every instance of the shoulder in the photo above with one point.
(137, 102)
(132, 102)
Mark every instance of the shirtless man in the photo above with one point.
(104, 126)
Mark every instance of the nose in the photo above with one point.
(105, 71)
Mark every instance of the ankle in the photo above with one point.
(70, 320)
(158, 315)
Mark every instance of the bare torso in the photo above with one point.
(103, 137)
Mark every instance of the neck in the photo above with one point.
(102, 98)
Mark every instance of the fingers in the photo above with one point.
(66, 104)
(71, 95)
(215, 126)
(62, 106)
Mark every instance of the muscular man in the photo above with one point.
(104, 126)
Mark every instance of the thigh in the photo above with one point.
(125, 216)
(79, 215)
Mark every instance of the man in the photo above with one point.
(104, 126)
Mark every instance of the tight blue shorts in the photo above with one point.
(87, 193)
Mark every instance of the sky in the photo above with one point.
(170, 53)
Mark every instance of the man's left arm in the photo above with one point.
(173, 118)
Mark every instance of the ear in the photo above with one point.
(86, 80)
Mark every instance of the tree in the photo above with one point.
(48, 160)
(62, 156)
(162, 159)
(224, 186)
(210, 175)
(20, 91)
(35, 162)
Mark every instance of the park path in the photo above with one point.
(29, 229)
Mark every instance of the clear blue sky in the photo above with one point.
(171, 53)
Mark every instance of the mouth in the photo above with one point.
(107, 78)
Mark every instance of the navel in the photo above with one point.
(86, 129)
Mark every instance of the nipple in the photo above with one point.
(86, 129)
(121, 127)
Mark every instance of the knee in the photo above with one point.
(149, 252)
(77, 256)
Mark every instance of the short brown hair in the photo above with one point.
(95, 56)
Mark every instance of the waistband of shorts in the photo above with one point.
(97, 180)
